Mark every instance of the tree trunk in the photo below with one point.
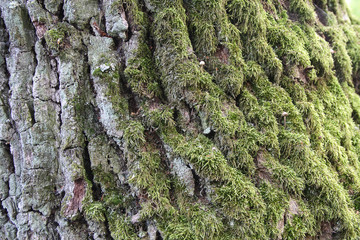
(179, 119)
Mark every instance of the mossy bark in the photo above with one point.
(179, 119)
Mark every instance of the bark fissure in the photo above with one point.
(96, 189)
(5, 213)
(11, 168)
(107, 229)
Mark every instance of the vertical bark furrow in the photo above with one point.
(7, 169)
(95, 188)
(8, 229)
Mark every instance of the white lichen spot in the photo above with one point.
(207, 131)
(135, 218)
(104, 67)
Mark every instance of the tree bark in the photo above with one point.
(179, 119)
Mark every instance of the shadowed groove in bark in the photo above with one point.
(198, 191)
(5, 87)
(61, 11)
(107, 229)
(131, 28)
(53, 224)
(5, 212)
(96, 189)
(158, 236)
(41, 2)
(6, 146)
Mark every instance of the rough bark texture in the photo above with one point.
(179, 119)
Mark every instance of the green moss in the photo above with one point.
(251, 20)
(161, 117)
(134, 135)
(55, 37)
(208, 159)
(95, 211)
(353, 48)
(240, 155)
(140, 73)
(260, 117)
(305, 12)
(193, 222)
(342, 59)
(134, 8)
(294, 88)
(295, 229)
(121, 228)
(111, 79)
(285, 176)
(270, 64)
(286, 44)
(147, 172)
(209, 162)
(276, 203)
(354, 100)
(230, 198)
(319, 52)
(217, 41)
(205, 41)
(249, 16)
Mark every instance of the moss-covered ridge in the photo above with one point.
(269, 125)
